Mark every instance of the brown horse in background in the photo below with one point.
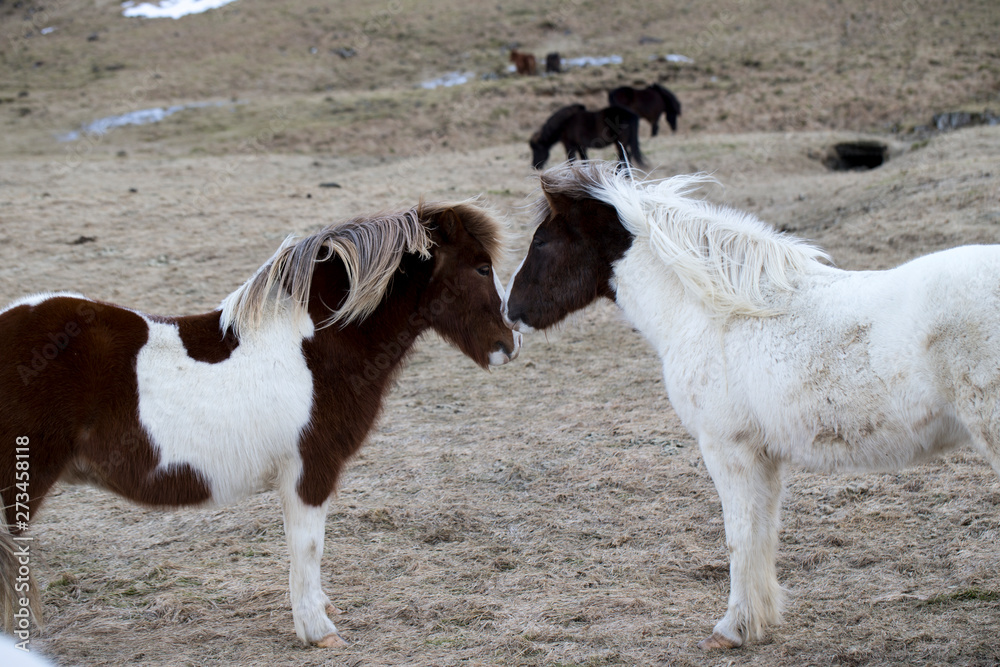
(523, 62)
(579, 129)
(648, 103)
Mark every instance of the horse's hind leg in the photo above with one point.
(656, 125)
(749, 485)
(981, 419)
(305, 526)
(987, 443)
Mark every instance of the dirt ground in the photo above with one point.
(553, 511)
(550, 512)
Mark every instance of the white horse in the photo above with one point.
(772, 357)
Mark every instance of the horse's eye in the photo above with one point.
(538, 243)
(484, 270)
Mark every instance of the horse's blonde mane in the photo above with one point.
(721, 255)
(370, 248)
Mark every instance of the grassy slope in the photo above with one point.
(760, 65)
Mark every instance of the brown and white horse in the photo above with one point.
(277, 388)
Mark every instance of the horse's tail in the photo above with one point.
(672, 104)
(15, 588)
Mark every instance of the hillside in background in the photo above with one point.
(344, 77)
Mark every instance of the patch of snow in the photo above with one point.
(448, 80)
(591, 61)
(170, 9)
(677, 58)
(104, 125)
(47, 31)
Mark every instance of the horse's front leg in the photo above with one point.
(749, 485)
(622, 152)
(305, 526)
(656, 126)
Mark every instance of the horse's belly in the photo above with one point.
(875, 441)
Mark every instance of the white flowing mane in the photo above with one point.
(720, 254)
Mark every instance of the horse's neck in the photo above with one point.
(370, 352)
(655, 302)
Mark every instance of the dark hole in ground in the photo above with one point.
(852, 155)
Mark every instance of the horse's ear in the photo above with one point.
(559, 203)
(449, 224)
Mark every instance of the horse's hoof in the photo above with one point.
(332, 640)
(333, 611)
(717, 641)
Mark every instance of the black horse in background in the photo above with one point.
(648, 103)
(579, 129)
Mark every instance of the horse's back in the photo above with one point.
(957, 314)
(888, 367)
(622, 96)
(61, 343)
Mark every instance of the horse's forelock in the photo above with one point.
(478, 220)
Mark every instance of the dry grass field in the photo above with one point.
(553, 511)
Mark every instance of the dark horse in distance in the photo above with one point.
(579, 129)
(648, 103)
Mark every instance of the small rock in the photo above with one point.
(133, 190)
(331, 184)
(83, 239)
(954, 120)
(93, 37)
